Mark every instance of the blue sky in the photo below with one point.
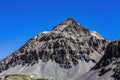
(20, 20)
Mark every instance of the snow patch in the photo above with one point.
(94, 33)
(45, 32)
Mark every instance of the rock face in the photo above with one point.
(65, 53)
(108, 68)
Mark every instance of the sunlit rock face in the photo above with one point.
(65, 53)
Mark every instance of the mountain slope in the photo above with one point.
(67, 52)
(108, 68)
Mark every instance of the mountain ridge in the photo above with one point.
(67, 52)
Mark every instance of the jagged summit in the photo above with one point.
(67, 24)
(71, 27)
(66, 52)
(70, 19)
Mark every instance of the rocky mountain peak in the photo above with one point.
(68, 50)
(70, 20)
(66, 23)
(71, 27)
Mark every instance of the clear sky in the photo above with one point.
(20, 20)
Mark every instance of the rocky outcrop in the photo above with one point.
(69, 50)
(108, 68)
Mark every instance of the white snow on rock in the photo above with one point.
(94, 33)
(45, 32)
